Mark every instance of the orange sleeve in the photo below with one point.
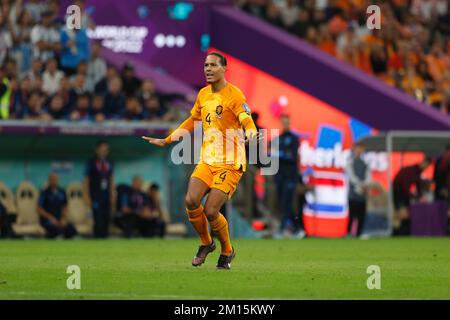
(249, 125)
(240, 105)
(196, 112)
(188, 125)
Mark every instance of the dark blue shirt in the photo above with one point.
(100, 173)
(53, 201)
(135, 200)
(114, 105)
(288, 151)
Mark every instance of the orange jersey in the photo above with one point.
(223, 143)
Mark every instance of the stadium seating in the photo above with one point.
(78, 213)
(27, 223)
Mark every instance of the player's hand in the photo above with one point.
(253, 136)
(154, 141)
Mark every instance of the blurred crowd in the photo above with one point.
(411, 51)
(50, 72)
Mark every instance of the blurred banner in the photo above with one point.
(172, 35)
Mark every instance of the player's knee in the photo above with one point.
(192, 202)
(211, 212)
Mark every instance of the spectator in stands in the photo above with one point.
(75, 48)
(54, 8)
(99, 189)
(34, 107)
(287, 177)
(359, 177)
(35, 8)
(78, 84)
(406, 178)
(52, 210)
(153, 222)
(102, 86)
(8, 85)
(6, 41)
(133, 109)
(51, 77)
(153, 111)
(68, 95)
(288, 12)
(21, 34)
(20, 97)
(82, 70)
(147, 90)
(45, 38)
(301, 25)
(56, 108)
(130, 82)
(82, 106)
(96, 66)
(96, 113)
(35, 72)
(272, 15)
(114, 99)
(378, 60)
(255, 7)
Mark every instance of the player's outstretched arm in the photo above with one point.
(251, 133)
(155, 141)
(186, 126)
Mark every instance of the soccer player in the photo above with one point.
(221, 107)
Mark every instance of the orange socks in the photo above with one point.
(198, 220)
(220, 228)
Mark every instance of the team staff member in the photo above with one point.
(287, 177)
(220, 106)
(99, 188)
(52, 210)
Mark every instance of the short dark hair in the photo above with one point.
(154, 187)
(223, 60)
(100, 143)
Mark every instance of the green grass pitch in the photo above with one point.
(411, 268)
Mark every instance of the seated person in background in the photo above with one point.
(403, 181)
(33, 109)
(133, 205)
(131, 83)
(96, 113)
(153, 223)
(102, 86)
(56, 108)
(133, 109)
(51, 77)
(153, 110)
(114, 99)
(81, 111)
(52, 209)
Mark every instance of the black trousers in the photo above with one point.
(286, 185)
(147, 228)
(101, 210)
(53, 231)
(357, 212)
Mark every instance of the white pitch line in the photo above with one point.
(156, 296)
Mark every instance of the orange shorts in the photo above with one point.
(224, 178)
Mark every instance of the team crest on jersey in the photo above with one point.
(219, 110)
(247, 108)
